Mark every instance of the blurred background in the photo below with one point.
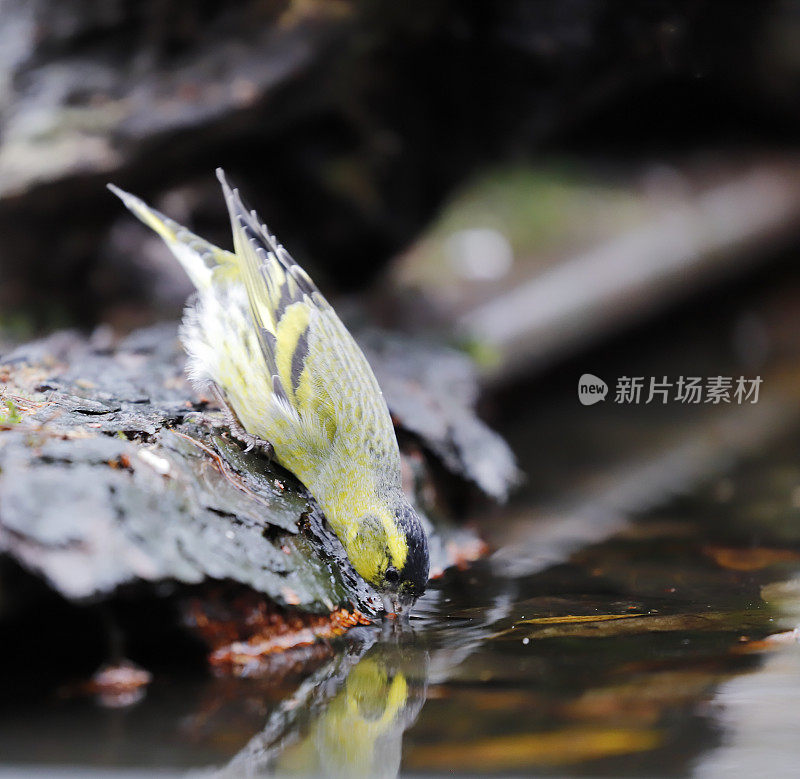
(554, 188)
(441, 153)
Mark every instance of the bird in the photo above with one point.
(260, 334)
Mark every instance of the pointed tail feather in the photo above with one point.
(198, 257)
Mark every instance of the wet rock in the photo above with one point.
(113, 471)
(120, 684)
(432, 393)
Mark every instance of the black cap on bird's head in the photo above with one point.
(389, 548)
(414, 574)
(404, 585)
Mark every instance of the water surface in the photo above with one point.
(624, 659)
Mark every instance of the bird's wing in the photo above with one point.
(278, 290)
(203, 262)
(318, 370)
(336, 364)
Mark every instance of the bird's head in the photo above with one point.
(390, 550)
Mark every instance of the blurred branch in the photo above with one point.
(346, 123)
(684, 246)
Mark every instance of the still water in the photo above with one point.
(665, 649)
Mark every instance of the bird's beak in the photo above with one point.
(398, 604)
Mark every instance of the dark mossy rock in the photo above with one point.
(113, 471)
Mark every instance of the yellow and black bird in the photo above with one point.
(263, 335)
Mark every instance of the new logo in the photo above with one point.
(591, 390)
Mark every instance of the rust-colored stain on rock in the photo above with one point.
(246, 627)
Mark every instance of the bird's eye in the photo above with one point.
(392, 575)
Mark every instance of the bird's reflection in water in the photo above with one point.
(349, 717)
(352, 722)
(361, 732)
